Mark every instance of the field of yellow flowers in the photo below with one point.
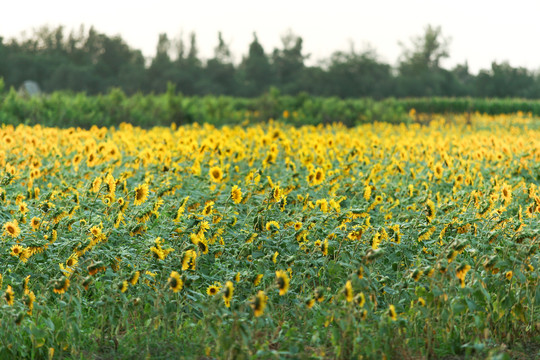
(271, 241)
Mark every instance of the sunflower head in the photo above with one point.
(228, 293)
(216, 174)
(12, 228)
(175, 282)
(282, 280)
(141, 194)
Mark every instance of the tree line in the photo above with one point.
(92, 62)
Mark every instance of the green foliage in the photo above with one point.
(92, 62)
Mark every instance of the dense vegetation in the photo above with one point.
(89, 61)
(272, 241)
(67, 109)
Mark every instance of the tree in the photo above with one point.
(255, 71)
(288, 63)
(420, 72)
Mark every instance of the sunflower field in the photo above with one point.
(272, 241)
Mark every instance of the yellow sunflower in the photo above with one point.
(12, 228)
(282, 280)
(175, 282)
(236, 194)
(259, 303)
(141, 194)
(228, 293)
(216, 174)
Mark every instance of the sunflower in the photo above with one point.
(141, 194)
(16, 250)
(259, 303)
(272, 225)
(61, 285)
(96, 184)
(392, 313)
(360, 272)
(188, 260)
(236, 194)
(258, 279)
(9, 296)
(438, 171)
(421, 301)
(228, 293)
(319, 294)
(213, 289)
(506, 193)
(282, 282)
(123, 286)
(348, 291)
(23, 208)
(297, 225)
(28, 300)
(461, 272)
(72, 260)
(317, 177)
(310, 303)
(111, 183)
(274, 257)
(367, 192)
(216, 174)
(35, 222)
(430, 211)
(134, 277)
(360, 299)
(12, 228)
(175, 282)
(324, 247)
(508, 275)
(417, 274)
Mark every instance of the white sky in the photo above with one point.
(481, 31)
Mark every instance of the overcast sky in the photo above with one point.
(481, 31)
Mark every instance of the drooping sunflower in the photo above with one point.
(360, 299)
(9, 296)
(29, 299)
(324, 247)
(123, 286)
(61, 285)
(228, 293)
(12, 228)
(430, 211)
(216, 174)
(274, 257)
(259, 303)
(508, 275)
(188, 260)
(257, 279)
(134, 277)
(319, 294)
(141, 194)
(392, 313)
(461, 272)
(282, 280)
(236, 194)
(175, 282)
(349, 294)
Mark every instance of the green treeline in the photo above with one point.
(92, 62)
(66, 109)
